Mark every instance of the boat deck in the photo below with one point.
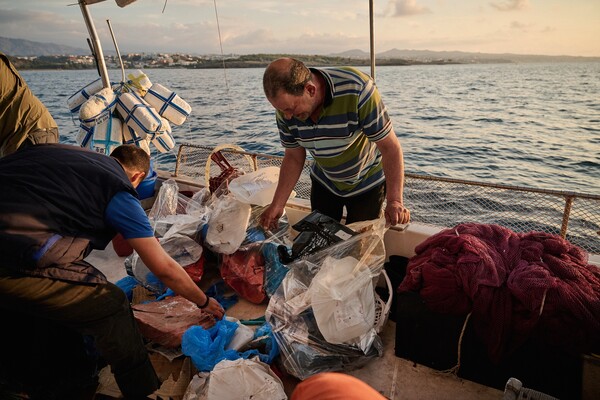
(394, 377)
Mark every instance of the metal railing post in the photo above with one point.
(566, 214)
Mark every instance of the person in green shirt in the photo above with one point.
(24, 120)
(337, 115)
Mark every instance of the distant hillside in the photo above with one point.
(459, 56)
(354, 53)
(27, 48)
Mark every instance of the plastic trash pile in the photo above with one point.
(320, 287)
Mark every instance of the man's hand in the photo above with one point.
(396, 213)
(214, 308)
(269, 219)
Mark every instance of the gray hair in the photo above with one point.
(290, 79)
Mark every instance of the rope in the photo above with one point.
(543, 302)
(454, 370)
(224, 66)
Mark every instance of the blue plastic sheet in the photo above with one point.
(275, 271)
(127, 284)
(270, 344)
(217, 291)
(206, 347)
(167, 293)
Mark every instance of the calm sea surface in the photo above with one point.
(535, 125)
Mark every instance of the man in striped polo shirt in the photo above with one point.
(338, 116)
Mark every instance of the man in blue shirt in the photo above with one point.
(59, 202)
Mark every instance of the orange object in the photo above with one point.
(334, 386)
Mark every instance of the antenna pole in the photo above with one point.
(372, 39)
(95, 43)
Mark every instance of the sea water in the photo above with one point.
(534, 125)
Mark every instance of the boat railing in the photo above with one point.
(441, 202)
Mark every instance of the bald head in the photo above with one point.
(287, 74)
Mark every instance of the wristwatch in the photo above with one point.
(203, 306)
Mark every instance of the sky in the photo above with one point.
(547, 27)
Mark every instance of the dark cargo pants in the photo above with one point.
(98, 310)
(363, 207)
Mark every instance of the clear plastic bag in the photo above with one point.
(228, 224)
(304, 349)
(342, 299)
(239, 379)
(177, 221)
(256, 187)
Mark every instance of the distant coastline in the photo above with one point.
(26, 54)
(143, 61)
(162, 60)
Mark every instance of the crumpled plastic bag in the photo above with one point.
(206, 347)
(342, 299)
(178, 221)
(239, 379)
(227, 225)
(244, 272)
(256, 187)
(304, 349)
(275, 270)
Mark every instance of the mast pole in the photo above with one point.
(95, 43)
(372, 39)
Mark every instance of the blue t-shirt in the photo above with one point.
(125, 213)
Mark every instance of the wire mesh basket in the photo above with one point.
(224, 163)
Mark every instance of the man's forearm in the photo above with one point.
(289, 173)
(393, 168)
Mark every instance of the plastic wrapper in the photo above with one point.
(291, 311)
(255, 270)
(243, 335)
(173, 208)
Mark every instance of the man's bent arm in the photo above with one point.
(393, 168)
(289, 173)
(171, 273)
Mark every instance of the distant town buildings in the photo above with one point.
(130, 61)
(178, 60)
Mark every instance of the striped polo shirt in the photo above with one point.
(342, 142)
